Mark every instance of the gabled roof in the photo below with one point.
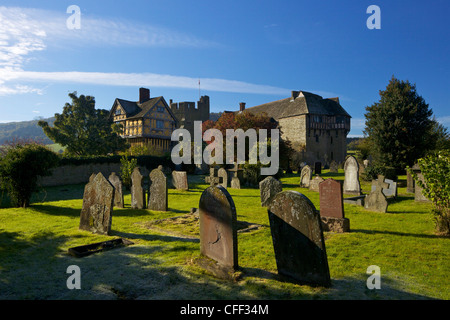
(301, 102)
(135, 110)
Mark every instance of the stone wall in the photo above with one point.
(186, 112)
(322, 145)
(294, 129)
(71, 174)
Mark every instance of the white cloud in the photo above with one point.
(358, 123)
(141, 79)
(445, 121)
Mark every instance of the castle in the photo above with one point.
(316, 127)
(186, 113)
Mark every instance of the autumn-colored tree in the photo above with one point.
(245, 121)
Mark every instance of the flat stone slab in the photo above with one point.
(359, 200)
(85, 250)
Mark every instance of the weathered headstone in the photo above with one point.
(390, 191)
(137, 190)
(418, 195)
(268, 188)
(305, 176)
(98, 202)
(314, 183)
(351, 179)
(376, 200)
(218, 228)
(180, 180)
(212, 179)
(317, 167)
(235, 172)
(158, 198)
(118, 193)
(334, 166)
(298, 240)
(332, 207)
(409, 182)
(235, 183)
(223, 176)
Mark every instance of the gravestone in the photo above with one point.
(298, 241)
(390, 191)
(305, 176)
(223, 176)
(180, 180)
(418, 195)
(213, 179)
(409, 182)
(235, 183)
(158, 198)
(235, 175)
(218, 230)
(334, 166)
(118, 193)
(235, 172)
(376, 200)
(351, 179)
(332, 207)
(268, 188)
(317, 167)
(98, 202)
(137, 190)
(314, 183)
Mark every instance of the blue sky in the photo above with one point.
(242, 51)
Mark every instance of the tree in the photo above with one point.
(85, 130)
(245, 121)
(435, 168)
(20, 167)
(399, 127)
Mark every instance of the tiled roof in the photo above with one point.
(301, 102)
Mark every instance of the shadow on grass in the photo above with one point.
(36, 269)
(56, 210)
(403, 234)
(153, 237)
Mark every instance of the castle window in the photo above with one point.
(160, 109)
(118, 112)
(317, 138)
(331, 142)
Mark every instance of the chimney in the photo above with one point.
(294, 94)
(144, 95)
(241, 106)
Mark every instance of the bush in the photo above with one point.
(126, 169)
(20, 167)
(435, 169)
(373, 170)
(252, 174)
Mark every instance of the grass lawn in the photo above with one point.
(414, 262)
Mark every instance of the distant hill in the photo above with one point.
(24, 130)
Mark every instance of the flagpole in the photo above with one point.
(199, 96)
